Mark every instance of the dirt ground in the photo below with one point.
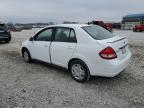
(39, 85)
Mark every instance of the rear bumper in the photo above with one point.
(5, 37)
(110, 68)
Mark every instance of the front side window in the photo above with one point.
(44, 35)
(97, 32)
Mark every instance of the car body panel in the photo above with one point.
(86, 49)
(61, 52)
(4, 33)
(138, 28)
(43, 52)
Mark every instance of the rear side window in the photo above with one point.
(72, 37)
(65, 35)
(97, 32)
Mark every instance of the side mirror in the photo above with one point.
(31, 39)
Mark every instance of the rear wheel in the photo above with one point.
(138, 30)
(26, 56)
(134, 30)
(79, 71)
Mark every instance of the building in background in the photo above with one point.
(129, 21)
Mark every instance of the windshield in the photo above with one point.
(97, 32)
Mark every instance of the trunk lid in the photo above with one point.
(3, 33)
(119, 44)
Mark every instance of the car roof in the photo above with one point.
(69, 25)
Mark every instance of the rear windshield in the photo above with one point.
(3, 26)
(97, 32)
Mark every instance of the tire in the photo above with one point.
(79, 71)
(26, 55)
(138, 30)
(7, 41)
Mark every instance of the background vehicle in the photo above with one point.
(4, 33)
(138, 28)
(15, 28)
(82, 49)
(102, 24)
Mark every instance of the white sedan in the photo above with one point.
(85, 50)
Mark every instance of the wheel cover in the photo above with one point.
(78, 71)
(26, 56)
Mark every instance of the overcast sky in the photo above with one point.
(67, 10)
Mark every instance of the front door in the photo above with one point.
(40, 45)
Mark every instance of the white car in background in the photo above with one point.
(85, 50)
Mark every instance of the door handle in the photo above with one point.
(46, 46)
(70, 48)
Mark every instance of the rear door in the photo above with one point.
(63, 46)
(41, 44)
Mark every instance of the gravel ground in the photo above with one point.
(39, 85)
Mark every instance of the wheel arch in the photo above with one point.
(78, 58)
(24, 48)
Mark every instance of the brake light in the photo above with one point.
(108, 53)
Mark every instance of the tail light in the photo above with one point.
(8, 30)
(108, 53)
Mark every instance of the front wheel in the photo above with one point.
(134, 30)
(138, 30)
(26, 56)
(79, 71)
